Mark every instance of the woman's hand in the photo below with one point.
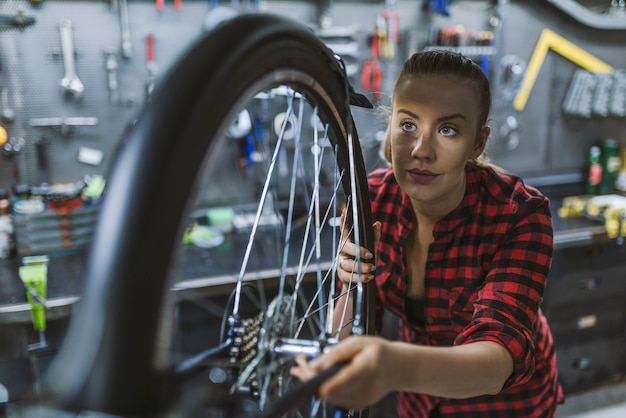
(347, 267)
(366, 378)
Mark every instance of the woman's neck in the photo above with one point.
(429, 213)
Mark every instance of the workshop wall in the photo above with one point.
(32, 67)
(43, 148)
(552, 142)
(545, 144)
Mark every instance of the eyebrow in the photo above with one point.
(441, 119)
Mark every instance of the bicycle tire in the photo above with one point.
(106, 362)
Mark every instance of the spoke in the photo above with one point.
(316, 203)
(297, 168)
(244, 264)
(329, 273)
(292, 195)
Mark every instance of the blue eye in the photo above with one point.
(448, 131)
(408, 126)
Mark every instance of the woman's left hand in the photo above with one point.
(363, 381)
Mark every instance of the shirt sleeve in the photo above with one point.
(506, 310)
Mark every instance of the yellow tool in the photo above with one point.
(549, 40)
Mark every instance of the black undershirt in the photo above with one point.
(414, 310)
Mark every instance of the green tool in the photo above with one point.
(34, 275)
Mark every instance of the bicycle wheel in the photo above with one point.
(255, 118)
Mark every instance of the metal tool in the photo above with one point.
(18, 20)
(127, 45)
(151, 65)
(549, 40)
(10, 149)
(64, 124)
(110, 65)
(69, 121)
(7, 115)
(70, 82)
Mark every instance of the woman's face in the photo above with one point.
(434, 132)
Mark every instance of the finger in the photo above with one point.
(352, 266)
(341, 352)
(345, 227)
(302, 370)
(377, 234)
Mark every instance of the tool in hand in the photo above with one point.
(70, 82)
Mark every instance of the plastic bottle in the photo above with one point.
(594, 177)
(620, 183)
(6, 225)
(611, 165)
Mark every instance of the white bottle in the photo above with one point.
(6, 225)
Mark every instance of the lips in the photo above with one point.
(422, 176)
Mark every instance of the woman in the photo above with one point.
(462, 258)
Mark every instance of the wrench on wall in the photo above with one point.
(70, 82)
(127, 45)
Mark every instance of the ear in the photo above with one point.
(481, 142)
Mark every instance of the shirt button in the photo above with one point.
(429, 320)
(431, 266)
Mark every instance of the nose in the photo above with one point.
(422, 147)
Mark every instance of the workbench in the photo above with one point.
(583, 300)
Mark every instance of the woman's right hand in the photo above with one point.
(347, 266)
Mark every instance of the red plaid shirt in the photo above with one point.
(485, 276)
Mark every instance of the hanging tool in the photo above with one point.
(41, 147)
(127, 44)
(34, 276)
(382, 47)
(19, 20)
(7, 115)
(371, 78)
(110, 65)
(549, 40)
(151, 65)
(439, 6)
(70, 82)
(11, 146)
(392, 16)
(160, 5)
(64, 124)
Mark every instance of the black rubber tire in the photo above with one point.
(107, 360)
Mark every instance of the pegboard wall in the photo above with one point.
(32, 67)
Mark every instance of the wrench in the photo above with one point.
(70, 82)
(127, 45)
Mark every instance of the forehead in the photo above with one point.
(438, 92)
